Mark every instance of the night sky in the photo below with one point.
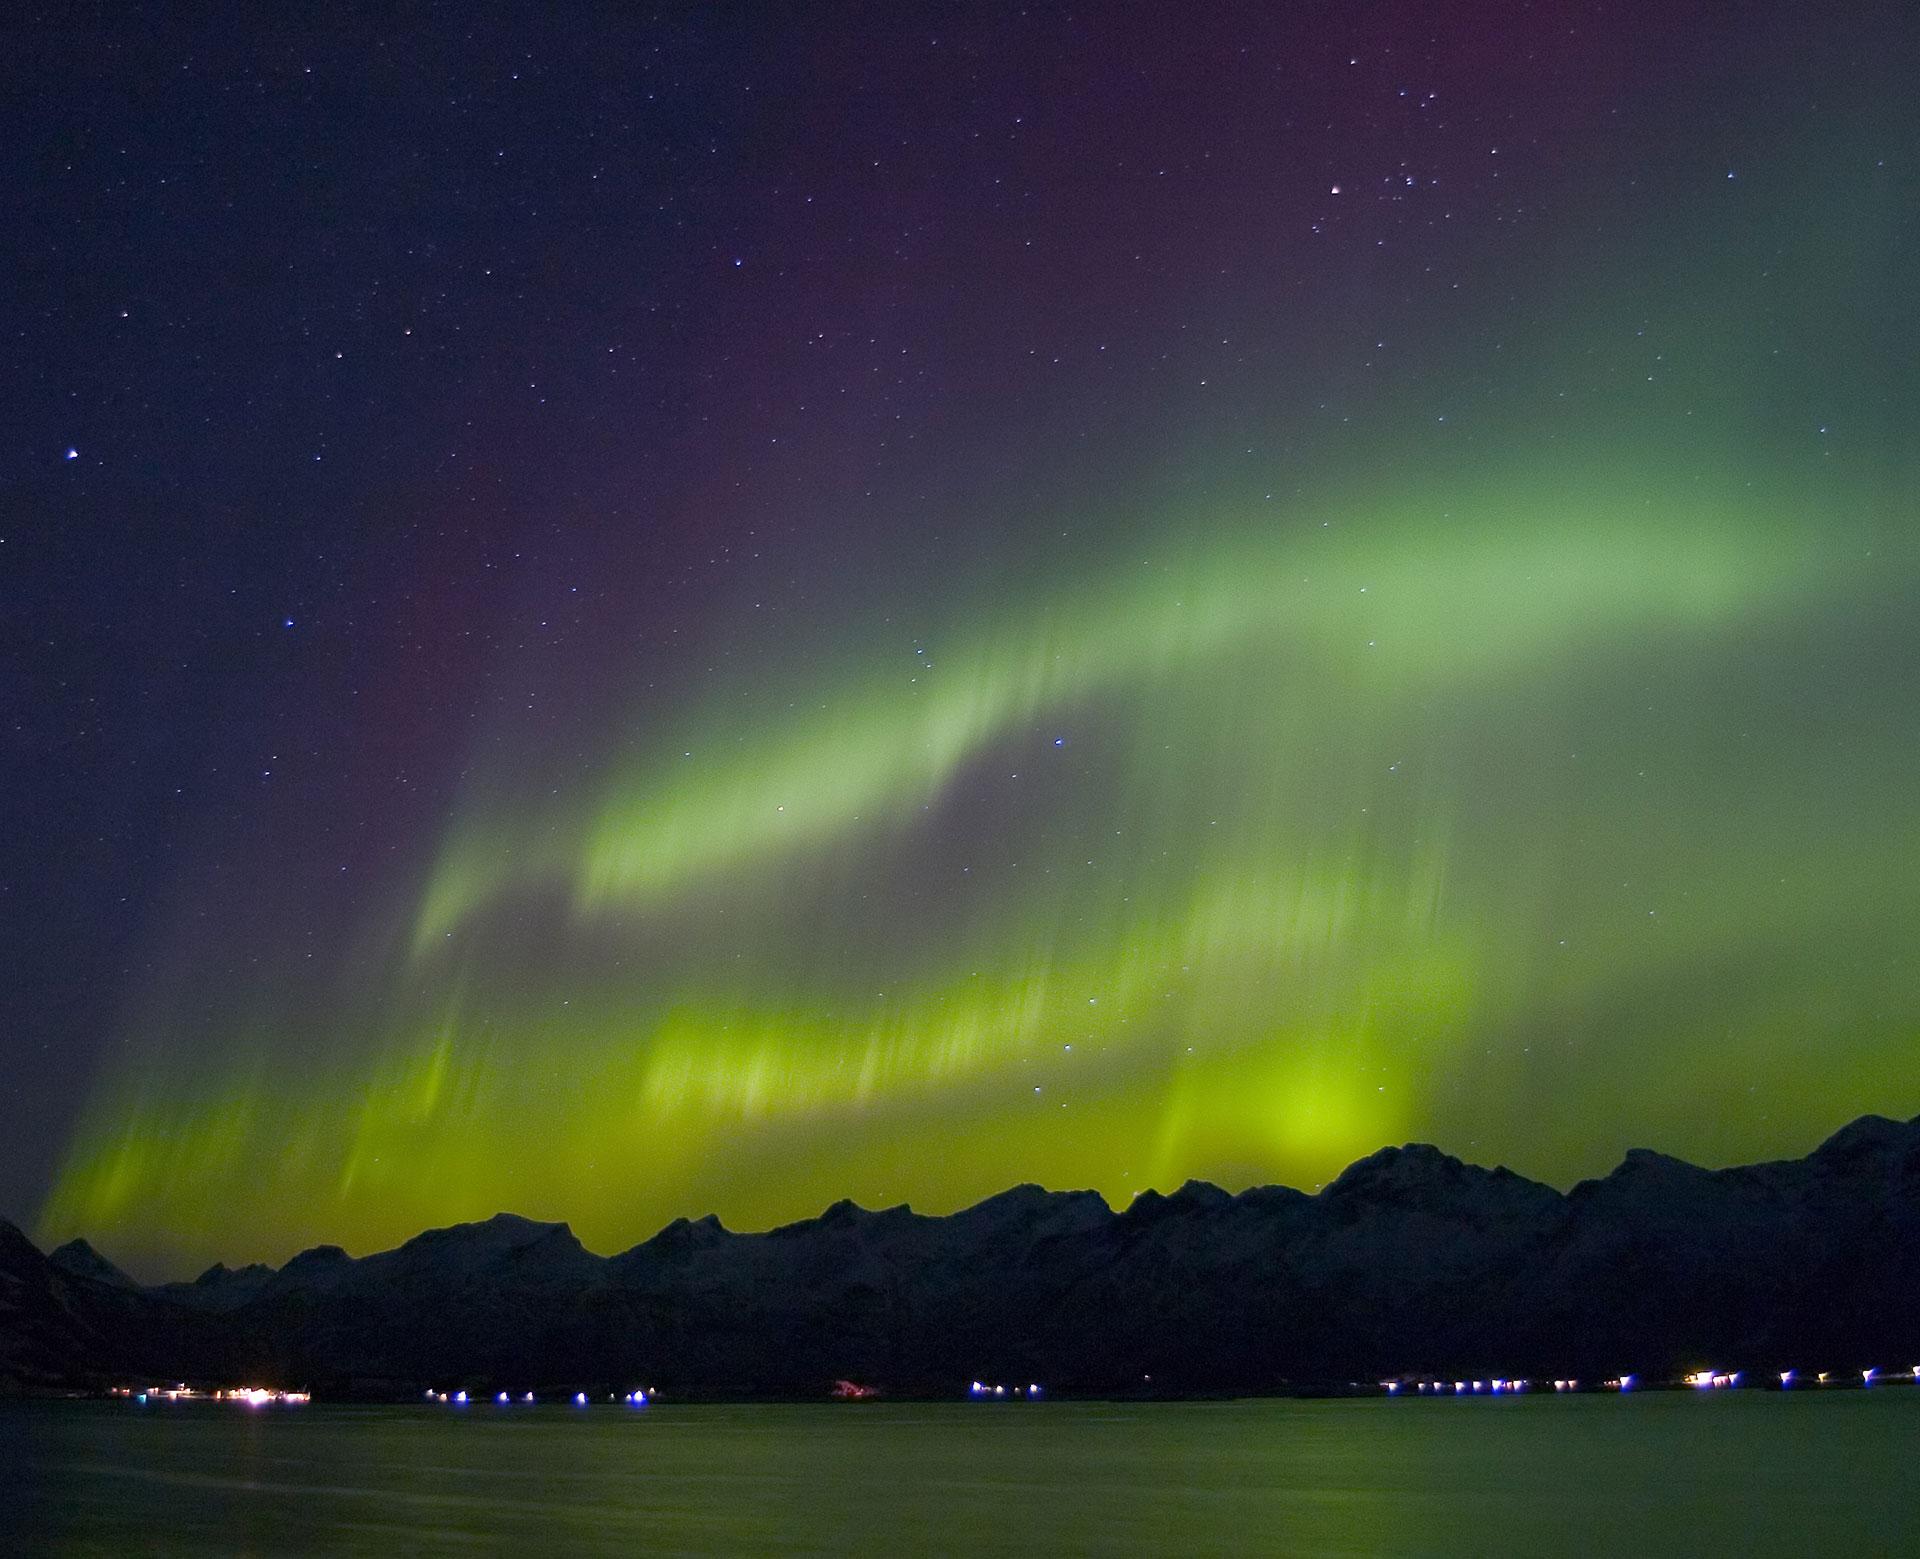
(614, 614)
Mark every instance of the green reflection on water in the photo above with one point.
(1659, 1474)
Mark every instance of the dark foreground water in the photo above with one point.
(1656, 1474)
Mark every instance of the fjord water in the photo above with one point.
(1649, 1475)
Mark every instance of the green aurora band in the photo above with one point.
(1532, 804)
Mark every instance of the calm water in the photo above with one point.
(1732, 1473)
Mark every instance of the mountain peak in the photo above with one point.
(82, 1260)
(1395, 1169)
(684, 1236)
(1651, 1161)
(1869, 1137)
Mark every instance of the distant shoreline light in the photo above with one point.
(1705, 1379)
(251, 1396)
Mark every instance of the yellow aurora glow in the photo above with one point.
(1322, 840)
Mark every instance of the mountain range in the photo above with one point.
(1410, 1264)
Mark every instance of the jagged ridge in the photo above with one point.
(1411, 1261)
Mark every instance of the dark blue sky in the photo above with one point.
(392, 396)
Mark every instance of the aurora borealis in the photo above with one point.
(1138, 604)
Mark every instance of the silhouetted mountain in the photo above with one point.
(64, 1328)
(81, 1259)
(221, 1287)
(1410, 1262)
